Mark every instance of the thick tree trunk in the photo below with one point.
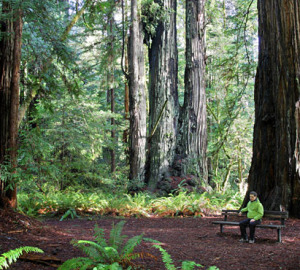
(163, 87)
(192, 139)
(10, 59)
(274, 172)
(137, 97)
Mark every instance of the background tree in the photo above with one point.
(274, 172)
(111, 78)
(10, 59)
(192, 144)
(163, 95)
(137, 96)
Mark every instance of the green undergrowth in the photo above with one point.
(116, 252)
(71, 204)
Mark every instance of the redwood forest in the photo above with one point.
(129, 129)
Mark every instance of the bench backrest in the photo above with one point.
(280, 215)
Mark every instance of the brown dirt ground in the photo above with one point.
(187, 238)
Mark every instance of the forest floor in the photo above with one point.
(194, 239)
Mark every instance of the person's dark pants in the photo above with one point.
(244, 224)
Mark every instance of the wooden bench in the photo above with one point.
(277, 216)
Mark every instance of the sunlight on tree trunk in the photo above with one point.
(137, 96)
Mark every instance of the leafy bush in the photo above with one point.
(11, 256)
(194, 204)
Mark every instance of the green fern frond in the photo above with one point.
(100, 236)
(166, 258)
(131, 244)
(11, 256)
(92, 252)
(77, 263)
(92, 249)
(151, 240)
(112, 254)
(114, 266)
(190, 265)
(116, 238)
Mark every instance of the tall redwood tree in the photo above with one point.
(163, 96)
(10, 59)
(192, 143)
(137, 96)
(275, 169)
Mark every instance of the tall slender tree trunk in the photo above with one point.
(163, 61)
(126, 97)
(111, 82)
(274, 172)
(137, 96)
(126, 70)
(192, 143)
(10, 59)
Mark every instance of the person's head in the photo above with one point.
(253, 196)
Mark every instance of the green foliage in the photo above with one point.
(69, 149)
(79, 202)
(231, 65)
(194, 204)
(103, 254)
(186, 265)
(67, 127)
(70, 212)
(153, 13)
(11, 256)
(75, 201)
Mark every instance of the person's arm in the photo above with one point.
(244, 209)
(260, 212)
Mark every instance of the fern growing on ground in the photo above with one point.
(186, 265)
(11, 256)
(112, 254)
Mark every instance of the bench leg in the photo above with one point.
(221, 228)
(279, 235)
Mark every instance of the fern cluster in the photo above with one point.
(72, 203)
(11, 256)
(186, 265)
(103, 254)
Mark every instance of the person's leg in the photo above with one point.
(252, 226)
(243, 224)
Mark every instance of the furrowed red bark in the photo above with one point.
(274, 172)
(192, 139)
(10, 59)
(163, 61)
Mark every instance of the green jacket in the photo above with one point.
(255, 209)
